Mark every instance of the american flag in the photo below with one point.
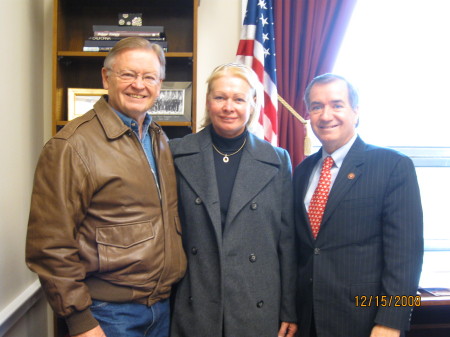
(257, 50)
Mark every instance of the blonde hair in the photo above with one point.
(136, 43)
(247, 74)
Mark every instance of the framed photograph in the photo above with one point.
(173, 103)
(81, 100)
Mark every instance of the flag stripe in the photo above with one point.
(257, 50)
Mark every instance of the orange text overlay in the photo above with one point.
(387, 301)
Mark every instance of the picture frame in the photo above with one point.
(174, 103)
(81, 100)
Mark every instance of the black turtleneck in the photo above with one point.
(226, 172)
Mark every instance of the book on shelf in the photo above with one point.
(117, 38)
(127, 34)
(106, 49)
(111, 43)
(125, 31)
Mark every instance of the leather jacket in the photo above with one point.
(99, 225)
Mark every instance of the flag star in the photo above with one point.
(266, 52)
(262, 4)
(263, 20)
(265, 37)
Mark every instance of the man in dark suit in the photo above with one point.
(358, 275)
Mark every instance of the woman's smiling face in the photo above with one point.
(229, 105)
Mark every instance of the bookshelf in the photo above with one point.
(73, 68)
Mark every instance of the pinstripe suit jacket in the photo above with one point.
(370, 244)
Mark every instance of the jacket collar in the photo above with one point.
(109, 120)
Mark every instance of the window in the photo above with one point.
(396, 53)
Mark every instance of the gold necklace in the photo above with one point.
(225, 155)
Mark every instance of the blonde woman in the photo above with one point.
(235, 197)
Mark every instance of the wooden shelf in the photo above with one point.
(73, 68)
(103, 55)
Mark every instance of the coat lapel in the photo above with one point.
(195, 162)
(259, 164)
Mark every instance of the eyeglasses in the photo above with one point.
(130, 76)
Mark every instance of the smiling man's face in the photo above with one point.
(135, 98)
(333, 120)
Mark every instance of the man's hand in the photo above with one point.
(287, 329)
(96, 332)
(384, 331)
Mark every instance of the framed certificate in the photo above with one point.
(81, 100)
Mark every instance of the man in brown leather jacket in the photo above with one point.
(103, 233)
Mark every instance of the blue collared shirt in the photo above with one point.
(338, 158)
(146, 140)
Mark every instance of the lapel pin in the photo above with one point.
(351, 176)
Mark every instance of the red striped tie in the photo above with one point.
(320, 196)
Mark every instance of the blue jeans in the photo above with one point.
(132, 319)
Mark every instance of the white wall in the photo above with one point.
(25, 125)
(219, 29)
(24, 119)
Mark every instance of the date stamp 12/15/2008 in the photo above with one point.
(387, 301)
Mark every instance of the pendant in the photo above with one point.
(226, 159)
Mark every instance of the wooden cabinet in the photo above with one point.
(431, 318)
(73, 68)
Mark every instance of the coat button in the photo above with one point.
(252, 258)
(253, 206)
(316, 251)
(260, 304)
(198, 201)
(194, 251)
(129, 133)
(190, 299)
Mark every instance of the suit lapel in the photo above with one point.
(348, 175)
(259, 164)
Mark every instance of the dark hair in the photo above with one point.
(327, 78)
(136, 43)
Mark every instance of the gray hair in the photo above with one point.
(136, 43)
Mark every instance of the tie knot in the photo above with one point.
(328, 162)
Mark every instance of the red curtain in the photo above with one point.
(308, 34)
